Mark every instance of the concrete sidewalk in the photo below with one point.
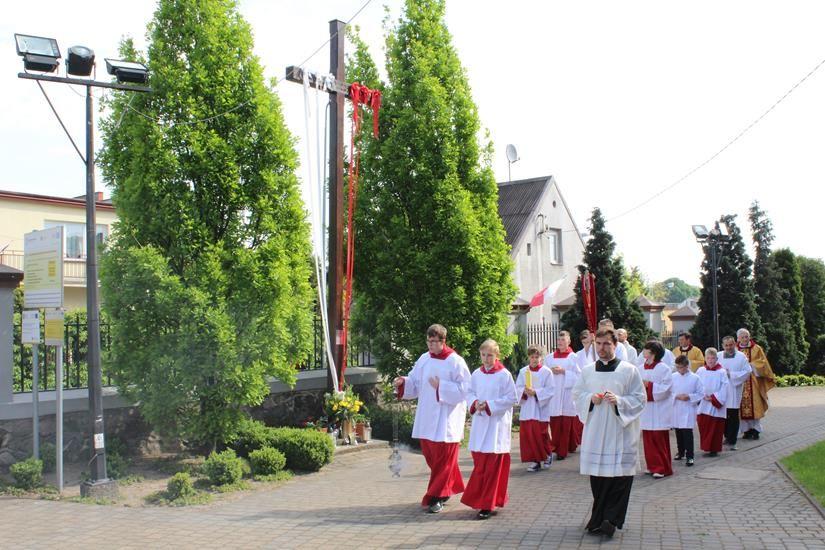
(738, 500)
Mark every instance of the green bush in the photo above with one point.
(224, 468)
(27, 474)
(305, 449)
(116, 465)
(381, 421)
(267, 461)
(48, 454)
(180, 486)
(251, 436)
(796, 380)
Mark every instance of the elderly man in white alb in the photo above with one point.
(609, 398)
(739, 371)
(632, 354)
(440, 381)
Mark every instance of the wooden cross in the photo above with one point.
(339, 92)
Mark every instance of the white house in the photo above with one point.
(545, 242)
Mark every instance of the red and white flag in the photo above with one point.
(546, 295)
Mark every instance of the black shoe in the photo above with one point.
(755, 435)
(594, 530)
(608, 528)
(435, 507)
(484, 514)
(444, 499)
(689, 462)
(678, 457)
(560, 457)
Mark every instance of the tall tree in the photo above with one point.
(611, 291)
(430, 244)
(635, 282)
(206, 279)
(672, 290)
(812, 273)
(771, 298)
(788, 354)
(737, 306)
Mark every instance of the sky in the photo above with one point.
(617, 100)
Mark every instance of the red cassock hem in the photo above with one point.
(445, 477)
(561, 435)
(711, 430)
(578, 429)
(657, 451)
(534, 440)
(487, 487)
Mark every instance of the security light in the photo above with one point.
(80, 61)
(724, 230)
(127, 71)
(700, 231)
(39, 53)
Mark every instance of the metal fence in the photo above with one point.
(75, 374)
(669, 339)
(543, 334)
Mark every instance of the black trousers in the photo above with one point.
(611, 496)
(732, 426)
(684, 442)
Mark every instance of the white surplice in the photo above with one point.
(440, 414)
(535, 407)
(562, 402)
(610, 442)
(658, 414)
(739, 370)
(490, 431)
(684, 412)
(714, 383)
(585, 356)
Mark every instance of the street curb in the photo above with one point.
(802, 490)
(342, 450)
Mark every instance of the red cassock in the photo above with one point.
(561, 434)
(445, 477)
(576, 433)
(534, 440)
(657, 451)
(487, 488)
(711, 430)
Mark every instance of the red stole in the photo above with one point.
(649, 385)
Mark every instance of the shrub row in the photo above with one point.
(792, 380)
(304, 449)
(381, 421)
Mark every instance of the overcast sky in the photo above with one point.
(617, 100)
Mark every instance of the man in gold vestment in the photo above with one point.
(754, 391)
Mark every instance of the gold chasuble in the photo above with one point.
(755, 390)
(694, 354)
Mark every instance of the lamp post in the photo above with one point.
(42, 54)
(710, 241)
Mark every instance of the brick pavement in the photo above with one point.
(355, 503)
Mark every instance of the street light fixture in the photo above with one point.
(710, 240)
(41, 54)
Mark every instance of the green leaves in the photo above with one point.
(206, 278)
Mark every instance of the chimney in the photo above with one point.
(98, 196)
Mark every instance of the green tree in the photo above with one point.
(737, 306)
(788, 354)
(635, 282)
(771, 298)
(812, 273)
(673, 290)
(611, 290)
(206, 278)
(431, 246)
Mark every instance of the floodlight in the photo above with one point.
(80, 61)
(724, 230)
(39, 53)
(127, 71)
(700, 231)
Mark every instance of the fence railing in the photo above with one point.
(542, 334)
(669, 339)
(75, 373)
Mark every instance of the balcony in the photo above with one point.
(74, 269)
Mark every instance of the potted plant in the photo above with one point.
(342, 406)
(362, 427)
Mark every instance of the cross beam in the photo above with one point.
(296, 74)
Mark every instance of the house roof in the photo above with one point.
(516, 202)
(686, 312)
(47, 199)
(646, 303)
(10, 274)
(566, 303)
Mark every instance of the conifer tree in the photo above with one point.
(206, 278)
(788, 355)
(812, 273)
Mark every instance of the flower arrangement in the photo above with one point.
(342, 405)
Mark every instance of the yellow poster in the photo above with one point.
(54, 327)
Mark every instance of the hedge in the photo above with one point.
(267, 461)
(304, 449)
(381, 421)
(794, 380)
(223, 468)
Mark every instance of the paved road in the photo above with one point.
(355, 503)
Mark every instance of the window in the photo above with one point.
(74, 235)
(528, 249)
(554, 245)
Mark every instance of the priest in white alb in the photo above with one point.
(610, 398)
(491, 397)
(439, 380)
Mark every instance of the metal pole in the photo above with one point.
(58, 418)
(35, 401)
(713, 243)
(98, 460)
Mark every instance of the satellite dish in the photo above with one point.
(512, 154)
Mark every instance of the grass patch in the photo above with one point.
(808, 467)
(161, 498)
(48, 492)
(241, 485)
(97, 501)
(283, 475)
(130, 480)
